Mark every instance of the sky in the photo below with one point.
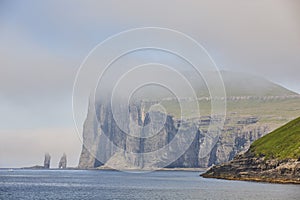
(43, 43)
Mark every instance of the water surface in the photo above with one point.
(92, 184)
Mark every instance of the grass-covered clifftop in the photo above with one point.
(282, 143)
(273, 158)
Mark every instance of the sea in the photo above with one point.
(105, 184)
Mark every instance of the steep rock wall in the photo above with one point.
(102, 136)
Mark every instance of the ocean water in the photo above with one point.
(92, 184)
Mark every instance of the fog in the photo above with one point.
(43, 44)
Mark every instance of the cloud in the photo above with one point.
(260, 37)
(28, 68)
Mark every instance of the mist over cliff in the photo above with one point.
(151, 130)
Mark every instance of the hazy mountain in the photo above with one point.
(254, 107)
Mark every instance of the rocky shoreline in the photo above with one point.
(248, 167)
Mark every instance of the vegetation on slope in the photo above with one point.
(283, 143)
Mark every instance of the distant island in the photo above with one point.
(273, 158)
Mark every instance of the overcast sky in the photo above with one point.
(42, 44)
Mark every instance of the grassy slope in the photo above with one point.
(283, 143)
(279, 111)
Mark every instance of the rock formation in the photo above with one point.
(47, 161)
(63, 162)
(251, 168)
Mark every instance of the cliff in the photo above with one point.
(254, 108)
(272, 158)
(239, 131)
(104, 139)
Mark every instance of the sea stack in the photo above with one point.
(47, 161)
(63, 162)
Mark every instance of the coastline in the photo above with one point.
(247, 167)
(203, 173)
(254, 179)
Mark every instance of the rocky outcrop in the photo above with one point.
(47, 161)
(249, 167)
(63, 162)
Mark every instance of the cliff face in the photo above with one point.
(254, 107)
(237, 138)
(100, 128)
(105, 141)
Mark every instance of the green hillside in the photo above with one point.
(283, 143)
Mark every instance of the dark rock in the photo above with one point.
(249, 167)
(47, 161)
(63, 162)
